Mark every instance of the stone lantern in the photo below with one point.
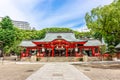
(1, 49)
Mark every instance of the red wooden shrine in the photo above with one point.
(59, 45)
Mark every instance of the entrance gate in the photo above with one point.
(59, 52)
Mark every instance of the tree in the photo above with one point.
(8, 38)
(105, 20)
(8, 34)
(97, 35)
(6, 23)
(80, 35)
(55, 29)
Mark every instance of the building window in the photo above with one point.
(59, 36)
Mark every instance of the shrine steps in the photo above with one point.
(59, 59)
(93, 59)
(67, 59)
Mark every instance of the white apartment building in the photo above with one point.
(20, 24)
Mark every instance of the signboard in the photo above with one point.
(86, 49)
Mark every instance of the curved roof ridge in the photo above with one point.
(117, 46)
(93, 42)
(69, 36)
(27, 44)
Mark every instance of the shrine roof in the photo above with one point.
(27, 44)
(66, 36)
(118, 46)
(93, 42)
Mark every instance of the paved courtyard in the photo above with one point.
(58, 71)
(12, 71)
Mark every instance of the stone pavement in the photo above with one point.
(58, 71)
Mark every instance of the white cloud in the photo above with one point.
(25, 10)
(71, 11)
(7, 8)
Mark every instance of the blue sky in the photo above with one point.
(50, 13)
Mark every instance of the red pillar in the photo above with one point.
(52, 51)
(93, 51)
(27, 52)
(66, 51)
(98, 49)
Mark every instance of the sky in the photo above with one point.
(50, 13)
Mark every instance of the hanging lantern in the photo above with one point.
(76, 49)
(27, 55)
(23, 54)
(43, 49)
(38, 54)
(57, 47)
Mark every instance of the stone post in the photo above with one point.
(85, 58)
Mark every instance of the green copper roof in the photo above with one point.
(93, 43)
(118, 46)
(66, 36)
(27, 44)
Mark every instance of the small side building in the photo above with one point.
(118, 50)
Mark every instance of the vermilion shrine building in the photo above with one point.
(60, 44)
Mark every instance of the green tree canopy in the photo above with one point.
(55, 29)
(6, 23)
(106, 21)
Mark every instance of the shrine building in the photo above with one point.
(60, 44)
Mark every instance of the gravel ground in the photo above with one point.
(101, 72)
(17, 71)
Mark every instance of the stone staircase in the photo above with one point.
(67, 59)
(59, 59)
(93, 59)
